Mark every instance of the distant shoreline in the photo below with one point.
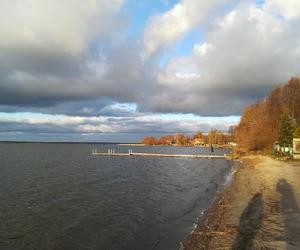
(61, 142)
(132, 144)
(118, 144)
(187, 146)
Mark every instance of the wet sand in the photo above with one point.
(260, 210)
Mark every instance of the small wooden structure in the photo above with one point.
(296, 148)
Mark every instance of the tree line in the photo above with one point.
(214, 137)
(275, 119)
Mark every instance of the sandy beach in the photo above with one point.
(260, 210)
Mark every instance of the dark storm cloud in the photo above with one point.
(77, 56)
(224, 100)
(47, 78)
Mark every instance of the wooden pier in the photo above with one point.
(111, 152)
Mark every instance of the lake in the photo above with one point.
(59, 196)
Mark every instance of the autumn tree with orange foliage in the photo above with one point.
(149, 140)
(166, 140)
(181, 140)
(214, 137)
(260, 122)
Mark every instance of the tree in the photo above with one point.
(166, 140)
(198, 135)
(253, 131)
(181, 140)
(212, 136)
(286, 129)
(231, 134)
(291, 97)
(274, 106)
(271, 119)
(297, 132)
(149, 140)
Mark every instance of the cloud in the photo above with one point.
(54, 52)
(287, 9)
(75, 58)
(165, 29)
(68, 24)
(142, 124)
(244, 54)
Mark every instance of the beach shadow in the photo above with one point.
(288, 201)
(291, 212)
(250, 223)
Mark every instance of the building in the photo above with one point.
(296, 148)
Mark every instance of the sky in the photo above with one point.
(119, 70)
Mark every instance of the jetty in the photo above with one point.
(111, 152)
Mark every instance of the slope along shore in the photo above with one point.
(261, 209)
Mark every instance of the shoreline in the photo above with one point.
(252, 213)
(175, 145)
(235, 164)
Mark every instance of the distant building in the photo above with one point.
(296, 148)
(231, 143)
(198, 142)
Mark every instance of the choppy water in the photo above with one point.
(59, 196)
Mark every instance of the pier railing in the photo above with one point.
(111, 152)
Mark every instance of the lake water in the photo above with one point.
(59, 196)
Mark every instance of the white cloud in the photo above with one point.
(202, 49)
(68, 24)
(173, 25)
(102, 128)
(66, 57)
(244, 54)
(287, 8)
(139, 123)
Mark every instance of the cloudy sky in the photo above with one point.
(117, 70)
